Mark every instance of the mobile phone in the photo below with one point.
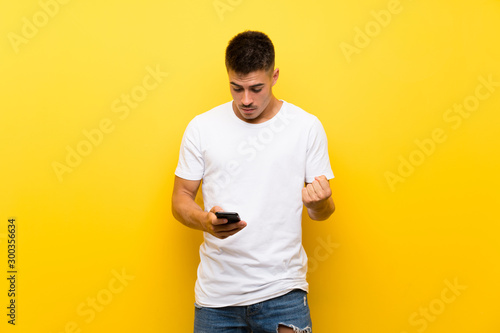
(231, 217)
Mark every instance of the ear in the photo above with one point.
(276, 74)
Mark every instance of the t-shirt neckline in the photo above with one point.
(266, 123)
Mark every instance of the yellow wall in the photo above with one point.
(400, 86)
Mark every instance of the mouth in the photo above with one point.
(247, 110)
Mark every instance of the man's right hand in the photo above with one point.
(219, 227)
(189, 213)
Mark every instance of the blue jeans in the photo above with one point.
(290, 310)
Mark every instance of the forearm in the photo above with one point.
(188, 212)
(321, 210)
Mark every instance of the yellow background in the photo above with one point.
(389, 251)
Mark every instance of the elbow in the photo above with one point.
(173, 209)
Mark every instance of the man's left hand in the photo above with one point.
(317, 192)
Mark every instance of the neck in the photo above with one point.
(272, 108)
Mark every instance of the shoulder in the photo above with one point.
(292, 111)
(217, 113)
(209, 118)
(305, 122)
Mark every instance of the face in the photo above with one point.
(252, 95)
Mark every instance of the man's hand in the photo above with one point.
(219, 227)
(317, 197)
(316, 192)
(189, 213)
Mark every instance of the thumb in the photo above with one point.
(216, 209)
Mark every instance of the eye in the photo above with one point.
(257, 90)
(238, 89)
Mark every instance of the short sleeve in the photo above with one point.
(191, 165)
(317, 159)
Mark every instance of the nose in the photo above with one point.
(247, 99)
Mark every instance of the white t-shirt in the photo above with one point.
(257, 170)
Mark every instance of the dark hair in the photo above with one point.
(250, 51)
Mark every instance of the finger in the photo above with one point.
(322, 187)
(230, 226)
(216, 209)
(219, 221)
(305, 195)
(215, 220)
(323, 181)
(311, 191)
(322, 177)
(319, 189)
(224, 231)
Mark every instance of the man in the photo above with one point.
(254, 155)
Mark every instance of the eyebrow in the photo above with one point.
(253, 86)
